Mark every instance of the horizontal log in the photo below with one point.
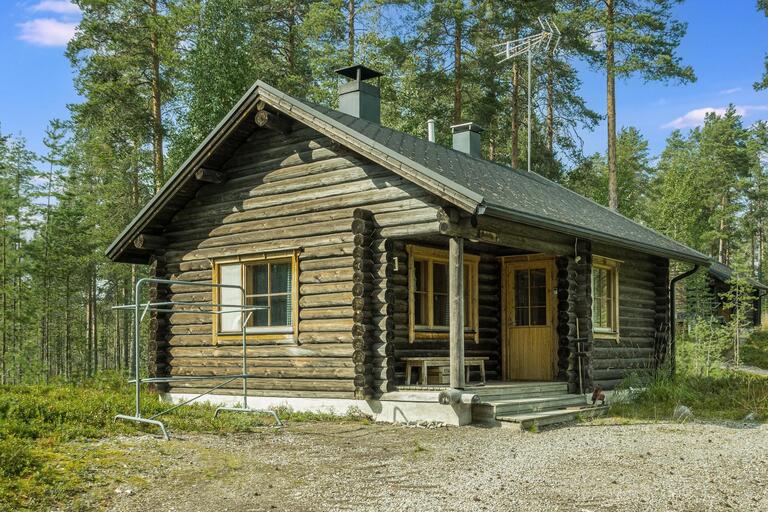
(284, 362)
(321, 288)
(210, 175)
(306, 350)
(281, 384)
(268, 372)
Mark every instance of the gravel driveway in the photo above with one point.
(349, 466)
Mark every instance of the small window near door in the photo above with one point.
(428, 288)
(530, 293)
(605, 292)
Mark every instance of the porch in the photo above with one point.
(465, 311)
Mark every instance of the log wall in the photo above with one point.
(298, 191)
(350, 221)
(643, 319)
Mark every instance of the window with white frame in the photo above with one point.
(270, 287)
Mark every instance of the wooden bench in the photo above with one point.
(425, 362)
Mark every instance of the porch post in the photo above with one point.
(456, 312)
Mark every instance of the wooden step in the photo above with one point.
(521, 390)
(486, 411)
(536, 404)
(538, 419)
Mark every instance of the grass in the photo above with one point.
(723, 395)
(754, 352)
(46, 455)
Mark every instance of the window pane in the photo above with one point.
(538, 277)
(420, 307)
(522, 284)
(420, 275)
(440, 311)
(539, 316)
(230, 275)
(259, 317)
(601, 302)
(259, 278)
(280, 278)
(538, 296)
(440, 277)
(521, 316)
(280, 314)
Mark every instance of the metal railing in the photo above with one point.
(140, 309)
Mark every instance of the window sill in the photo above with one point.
(441, 334)
(605, 335)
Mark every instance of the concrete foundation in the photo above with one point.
(397, 407)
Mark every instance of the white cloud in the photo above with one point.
(696, 117)
(47, 31)
(732, 90)
(57, 6)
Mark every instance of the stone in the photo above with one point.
(682, 413)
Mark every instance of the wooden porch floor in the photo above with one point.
(474, 386)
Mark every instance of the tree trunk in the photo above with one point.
(613, 188)
(351, 35)
(457, 37)
(4, 273)
(157, 115)
(722, 250)
(67, 332)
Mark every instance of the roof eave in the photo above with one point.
(512, 215)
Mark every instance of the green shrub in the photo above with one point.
(754, 352)
(722, 395)
(17, 457)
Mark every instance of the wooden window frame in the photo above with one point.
(612, 266)
(264, 335)
(471, 294)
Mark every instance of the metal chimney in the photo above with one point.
(431, 130)
(357, 97)
(466, 138)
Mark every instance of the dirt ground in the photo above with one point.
(349, 466)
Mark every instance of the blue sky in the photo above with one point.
(725, 43)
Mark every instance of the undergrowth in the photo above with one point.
(754, 352)
(41, 465)
(721, 395)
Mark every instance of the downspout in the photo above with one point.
(673, 310)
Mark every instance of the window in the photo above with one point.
(530, 297)
(605, 293)
(428, 287)
(270, 285)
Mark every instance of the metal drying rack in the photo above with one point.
(140, 309)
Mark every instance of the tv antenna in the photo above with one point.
(534, 43)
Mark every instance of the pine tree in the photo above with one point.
(633, 37)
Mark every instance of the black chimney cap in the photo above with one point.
(358, 72)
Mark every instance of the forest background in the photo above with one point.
(154, 76)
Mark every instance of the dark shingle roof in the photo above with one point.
(474, 184)
(724, 273)
(519, 195)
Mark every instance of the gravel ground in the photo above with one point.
(349, 466)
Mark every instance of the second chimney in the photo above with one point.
(466, 138)
(357, 97)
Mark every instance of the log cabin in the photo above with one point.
(719, 280)
(409, 280)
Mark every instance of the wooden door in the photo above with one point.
(529, 346)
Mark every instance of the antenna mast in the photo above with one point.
(540, 43)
